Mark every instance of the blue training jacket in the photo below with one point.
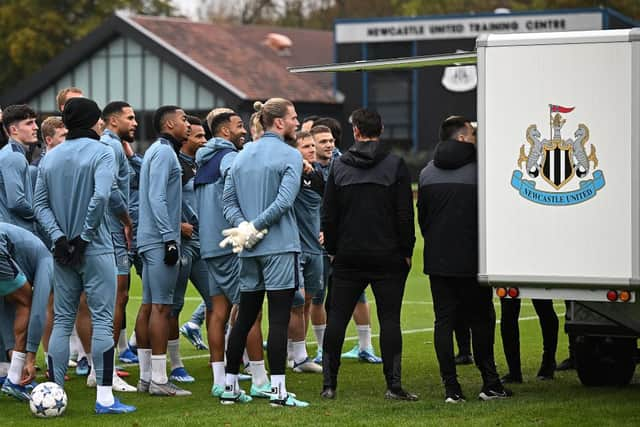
(72, 193)
(261, 187)
(160, 196)
(16, 188)
(214, 160)
(120, 195)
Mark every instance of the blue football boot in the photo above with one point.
(117, 408)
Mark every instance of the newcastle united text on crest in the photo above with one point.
(559, 163)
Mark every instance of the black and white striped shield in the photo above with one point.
(557, 168)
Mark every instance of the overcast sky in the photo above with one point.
(188, 7)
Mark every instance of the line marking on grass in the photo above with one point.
(496, 303)
(354, 338)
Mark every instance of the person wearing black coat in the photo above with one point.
(367, 220)
(448, 217)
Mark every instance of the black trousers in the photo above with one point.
(454, 297)
(510, 331)
(388, 290)
(463, 336)
(279, 314)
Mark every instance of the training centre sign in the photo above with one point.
(463, 27)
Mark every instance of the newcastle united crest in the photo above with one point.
(565, 171)
(460, 78)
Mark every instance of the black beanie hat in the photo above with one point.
(80, 113)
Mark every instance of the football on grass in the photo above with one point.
(48, 400)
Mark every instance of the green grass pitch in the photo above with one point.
(563, 401)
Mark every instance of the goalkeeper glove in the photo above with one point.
(171, 252)
(79, 247)
(244, 236)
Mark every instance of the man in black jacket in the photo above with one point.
(448, 217)
(367, 220)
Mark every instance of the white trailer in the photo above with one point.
(559, 180)
(559, 184)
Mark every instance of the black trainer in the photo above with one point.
(454, 395)
(546, 370)
(463, 359)
(566, 365)
(495, 392)
(511, 379)
(328, 393)
(400, 394)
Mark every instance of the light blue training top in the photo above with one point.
(119, 196)
(261, 187)
(72, 193)
(16, 188)
(160, 196)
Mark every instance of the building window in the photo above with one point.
(390, 93)
(125, 70)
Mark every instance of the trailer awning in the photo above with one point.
(454, 59)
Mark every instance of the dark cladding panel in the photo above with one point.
(435, 102)
(388, 50)
(347, 52)
(390, 93)
(350, 85)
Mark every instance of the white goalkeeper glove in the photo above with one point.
(244, 236)
(234, 237)
(252, 235)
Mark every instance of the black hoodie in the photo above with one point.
(448, 210)
(367, 212)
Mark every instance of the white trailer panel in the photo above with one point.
(559, 158)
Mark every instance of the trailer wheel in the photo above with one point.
(605, 361)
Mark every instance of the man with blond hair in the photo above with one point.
(214, 113)
(259, 194)
(66, 94)
(53, 132)
(307, 211)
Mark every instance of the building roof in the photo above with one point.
(230, 58)
(237, 55)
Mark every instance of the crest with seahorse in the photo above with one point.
(557, 161)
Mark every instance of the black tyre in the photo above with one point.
(605, 361)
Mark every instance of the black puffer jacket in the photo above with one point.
(367, 212)
(448, 210)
